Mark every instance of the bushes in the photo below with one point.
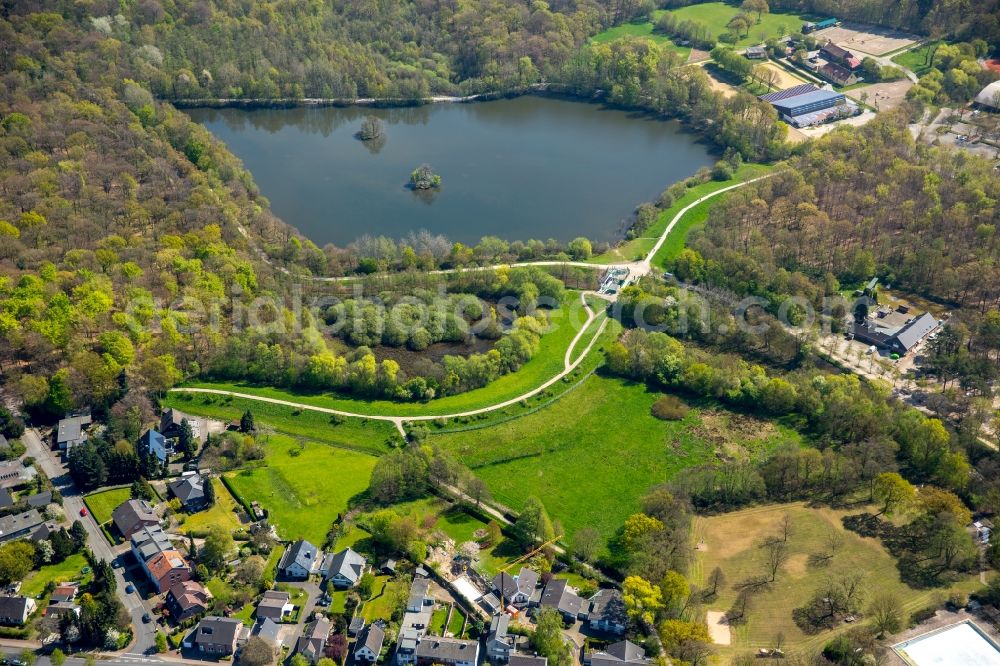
(669, 408)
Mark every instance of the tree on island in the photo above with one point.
(371, 128)
(424, 178)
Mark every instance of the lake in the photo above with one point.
(530, 167)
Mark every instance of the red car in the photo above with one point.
(83, 511)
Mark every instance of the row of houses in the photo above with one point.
(302, 560)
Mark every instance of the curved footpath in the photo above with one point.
(637, 269)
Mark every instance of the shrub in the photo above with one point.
(669, 408)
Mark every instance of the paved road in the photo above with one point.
(11, 649)
(53, 467)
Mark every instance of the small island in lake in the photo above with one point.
(424, 178)
(372, 129)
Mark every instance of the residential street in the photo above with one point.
(53, 467)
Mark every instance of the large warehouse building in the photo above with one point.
(807, 105)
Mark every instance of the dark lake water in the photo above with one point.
(523, 168)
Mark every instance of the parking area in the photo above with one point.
(868, 39)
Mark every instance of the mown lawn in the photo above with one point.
(918, 60)
(222, 512)
(731, 541)
(361, 434)
(69, 570)
(642, 30)
(456, 623)
(566, 323)
(304, 485)
(102, 504)
(717, 14)
(380, 605)
(591, 455)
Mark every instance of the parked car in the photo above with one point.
(83, 511)
(145, 618)
(130, 588)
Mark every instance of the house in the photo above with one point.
(559, 595)
(215, 636)
(837, 74)
(356, 625)
(14, 473)
(19, 524)
(187, 599)
(368, 647)
(755, 53)
(44, 531)
(914, 331)
(167, 568)
(270, 631)
(6, 499)
(275, 605)
(311, 643)
(148, 541)
(607, 612)
(60, 608)
(190, 490)
(527, 660)
(839, 56)
(131, 516)
(447, 652)
(344, 569)
(805, 105)
(71, 431)
(499, 643)
(884, 331)
(16, 610)
(420, 595)
(301, 560)
(170, 423)
(64, 592)
(515, 590)
(406, 646)
(154, 444)
(40, 500)
(623, 653)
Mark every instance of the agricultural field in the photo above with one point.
(304, 485)
(70, 569)
(731, 541)
(222, 513)
(605, 424)
(102, 504)
(717, 14)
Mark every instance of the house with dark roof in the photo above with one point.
(312, 641)
(301, 560)
(153, 443)
(623, 653)
(755, 53)
(499, 643)
(368, 647)
(187, 599)
(515, 590)
(560, 596)
(275, 604)
(44, 531)
(839, 56)
(607, 612)
(190, 490)
(447, 652)
(882, 333)
(170, 423)
(19, 525)
(148, 541)
(60, 608)
(215, 636)
(72, 430)
(15, 611)
(344, 569)
(6, 499)
(40, 500)
(837, 74)
(356, 625)
(132, 515)
(527, 660)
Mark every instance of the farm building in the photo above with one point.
(893, 331)
(756, 53)
(809, 26)
(839, 56)
(837, 74)
(806, 104)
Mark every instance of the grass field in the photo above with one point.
(360, 434)
(221, 513)
(70, 569)
(731, 543)
(304, 487)
(717, 14)
(380, 605)
(918, 60)
(548, 362)
(592, 454)
(638, 248)
(102, 504)
(642, 30)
